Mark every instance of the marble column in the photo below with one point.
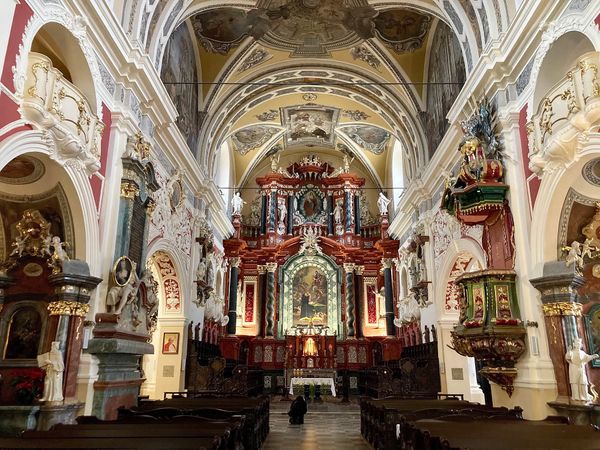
(273, 210)
(357, 215)
(270, 316)
(350, 319)
(262, 297)
(360, 301)
(389, 296)
(234, 274)
(67, 309)
(562, 312)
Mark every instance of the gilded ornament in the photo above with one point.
(67, 308)
(562, 309)
(129, 190)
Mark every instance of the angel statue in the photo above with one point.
(575, 255)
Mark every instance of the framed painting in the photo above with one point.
(170, 344)
(592, 324)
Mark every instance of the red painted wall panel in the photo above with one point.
(22, 15)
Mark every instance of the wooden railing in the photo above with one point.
(565, 110)
(57, 105)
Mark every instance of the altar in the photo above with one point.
(302, 381)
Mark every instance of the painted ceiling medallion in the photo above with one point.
(22, 170)
(251, 137)
(310, 124)
(369, 137)
(310, 27)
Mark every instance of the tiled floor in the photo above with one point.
(327, 426)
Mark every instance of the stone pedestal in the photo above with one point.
(52, 414)
(119, 377)
(578, 414)
(14, 419)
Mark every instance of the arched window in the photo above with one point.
(223, 172)
(397, 173)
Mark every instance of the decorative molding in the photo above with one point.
(562, 309)
(66, 308)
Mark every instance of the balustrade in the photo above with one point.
(53, 103)
(570, 107)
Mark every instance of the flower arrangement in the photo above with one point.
(28, 384)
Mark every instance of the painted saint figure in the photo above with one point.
(53, 365)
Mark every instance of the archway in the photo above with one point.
(460, 372)
(164, 369)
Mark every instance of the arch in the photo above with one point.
(63, 49)
(78, 187)
(558, 28)
(75, 26)
(546, 214)
(166, 269)
(560, 58)
(463, 246)
(396, 175)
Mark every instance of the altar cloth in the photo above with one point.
(305, 380)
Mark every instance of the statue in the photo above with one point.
(237, 203)
(382, 203)
(282, 210)
(201, 270)
(19, 246)
(578, 379)
(347, 162)
(338, 213)
(275, 162)
(118, 296)
(59, 256)
(53, 365)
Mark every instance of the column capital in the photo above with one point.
(359, 270)
(562, 309)
(261, 269)
(235, 261)
(349, 267)
(271, 266)
(386, 263)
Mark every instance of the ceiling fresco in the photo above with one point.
(310, 28)
(368, 137)
(252, 137)
(309, 125)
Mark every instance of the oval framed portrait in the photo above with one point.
(122, 271)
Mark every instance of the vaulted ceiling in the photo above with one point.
(326, 76)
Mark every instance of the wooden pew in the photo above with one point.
(523, 434)
(256, 411)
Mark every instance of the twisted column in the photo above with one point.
(271, 267)
(233, 282)
(389, 296)
(359, 270)
(349, 269)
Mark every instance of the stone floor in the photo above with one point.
(329, 425)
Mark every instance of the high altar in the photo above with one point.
(311, 279)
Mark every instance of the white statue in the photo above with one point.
(237, 203)
(347, 162)
(282, 209)
(151, 292)
(19, 246)
(382, 203)
(575, 255)
(275, 162)
(338, 213)
(578, 360)
(214, 309)
(53, 365)
(59, 256)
